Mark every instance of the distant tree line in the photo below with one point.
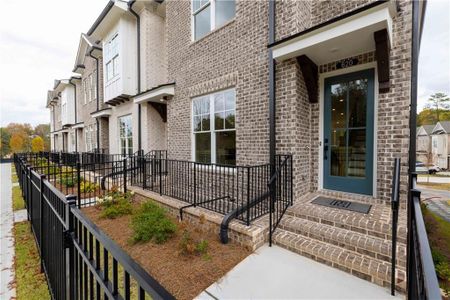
(24, 138)
(437, 109)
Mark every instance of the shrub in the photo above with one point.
(88, 187)
(151, 224)
(188, 246)
(116, 204)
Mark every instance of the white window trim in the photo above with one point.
(126, 138)
(212, 126)
(213, 27)
(111, 59)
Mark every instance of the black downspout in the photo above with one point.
(138, 32)
(75, 96)
(97, 95)
(412, 137)
(272, 104)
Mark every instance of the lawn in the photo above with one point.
(439, 236)
(18, 202)
(185, 259)
(437, 186)
(14, 177)
(30, 282)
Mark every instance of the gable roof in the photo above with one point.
(425, 129)
(112, 12)
(84, 47)
(442, 127)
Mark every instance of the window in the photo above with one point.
(63, 106)
(91, 137)
(125, 135)
(72, 141)
(112, 58)
(85, 90)
(214, 128)
(211, 14)
(94, 85)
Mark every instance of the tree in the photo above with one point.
(428, 117)
(43, 130)
(438, 102)
(5, 137)
(16, 143)
(37, 144)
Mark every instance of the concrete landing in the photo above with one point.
(276, 273)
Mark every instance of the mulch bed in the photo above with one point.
(185, 276)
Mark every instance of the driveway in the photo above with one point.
(437, 201)
(6, 234)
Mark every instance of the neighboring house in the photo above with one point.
(423, 143)
(236, 82)
(441, 144)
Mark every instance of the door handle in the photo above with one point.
(325, 149)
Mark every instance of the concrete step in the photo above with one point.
(364, 244)
(370, 269)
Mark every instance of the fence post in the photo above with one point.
(124, 175)
(144, 173)
(160, 177)
(248, 196)
(41, 219)
(195, 184)
(78, 167)
(28, 196)
(68, 241)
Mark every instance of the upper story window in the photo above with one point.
(112, 58)
(93, 85)
(211, 14)
(214, 128)
(63, 106)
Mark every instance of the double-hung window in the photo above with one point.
(85, 90)
(64, 107)
(125, 135)
(93, 82)
(208, 15)
(214, 128)
(112, 58)
(91, 137)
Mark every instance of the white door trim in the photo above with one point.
(322, 77)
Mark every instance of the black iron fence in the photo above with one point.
(421, 274)
(395, 198)
(78, 259)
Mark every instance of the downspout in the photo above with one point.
(97, 95)
(272, 104)
(75, 96)
(138, 32)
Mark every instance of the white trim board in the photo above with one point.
(322, 77)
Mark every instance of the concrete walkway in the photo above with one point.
(276, 273)
(20, 215)
(436, 201)
(7, 291)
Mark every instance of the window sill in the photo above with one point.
(213, 31)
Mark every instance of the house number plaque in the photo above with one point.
(345, 63)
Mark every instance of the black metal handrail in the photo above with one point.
(394, 207)
(421, 277)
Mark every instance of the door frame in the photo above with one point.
(322, 77)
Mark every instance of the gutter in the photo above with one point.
(97, 94)
(101, 17)
(272, 102)
(138, 32)
(75, 106)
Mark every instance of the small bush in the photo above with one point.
(88, 187)
(151, 224)
(188, 246)
(116, 204)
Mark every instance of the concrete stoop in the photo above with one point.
(359, 244)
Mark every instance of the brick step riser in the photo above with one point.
(340, 264)
(363, 250)
(377, 234)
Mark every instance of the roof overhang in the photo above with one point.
(104, 113)
(78, 125)
(343, 37)
(109, 16)
(85, 47)
(61, 84)
(157, 94)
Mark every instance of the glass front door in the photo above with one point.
(348, 132)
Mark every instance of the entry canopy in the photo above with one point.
(345, 36)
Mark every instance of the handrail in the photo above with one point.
(422, 279)
(394, 207)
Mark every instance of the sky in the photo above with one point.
(39, 41)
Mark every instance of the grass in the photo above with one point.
(437, 186)
(18, 202)
(30, 282)
(14, 177)
(439, 236)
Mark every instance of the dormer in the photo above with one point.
(66, 90)
(115, 29)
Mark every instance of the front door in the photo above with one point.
(348, 132)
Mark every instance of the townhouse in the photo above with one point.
(236, 82)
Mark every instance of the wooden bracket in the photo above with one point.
(311, 76)
(161, 109)
(382, 54)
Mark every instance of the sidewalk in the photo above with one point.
(7, 291)
(276, 273)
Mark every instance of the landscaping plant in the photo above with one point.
(150, 223)
(116, 204)
(88, 187)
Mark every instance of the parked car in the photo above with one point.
(433, 169)
(421, 168)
